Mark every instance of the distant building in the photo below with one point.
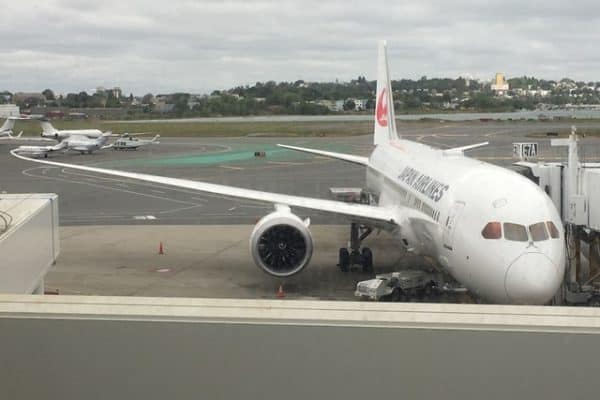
(360, 104)
(9, 110)
(330, 104)
(500, 86)
(29, 98)
(116, 91)
(163, 107)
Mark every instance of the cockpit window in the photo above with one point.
(554, 234)
(515, 232)
(538, 232)
(493, 230)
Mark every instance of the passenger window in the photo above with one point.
(493, 230)
(554, 234)
(538, 232)
(515, 232)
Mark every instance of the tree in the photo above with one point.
(112, 101)
(148, 98)
(49, 95)
(82, 99)
(349, 105)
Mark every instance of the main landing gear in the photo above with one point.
(355, 256)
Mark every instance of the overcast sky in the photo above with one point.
(198, 46)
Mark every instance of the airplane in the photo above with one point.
(82, 144)
(6, 130)
(49, 131)
(128, 142)
(41, 151)
(493, 230)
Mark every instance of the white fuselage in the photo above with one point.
(462, 195)
(60, 135)
(130, 144)
(85, 144)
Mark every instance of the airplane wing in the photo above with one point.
(340, 156)
(462, 149)
(380, 216)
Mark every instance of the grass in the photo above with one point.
(167, 128)
(563, 133)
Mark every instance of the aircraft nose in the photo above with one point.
(532, 279)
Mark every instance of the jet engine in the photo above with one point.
(281, 243)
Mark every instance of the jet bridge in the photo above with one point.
(574, 187)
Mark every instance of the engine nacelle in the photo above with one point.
(281, 243)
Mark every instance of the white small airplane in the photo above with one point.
(493, 230)
(6, 130)
(129, 142)
(82, 144)
(41, 151)
(50, 132)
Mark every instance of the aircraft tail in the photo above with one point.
(47, 128)
(155, 139)
(104, 137)
(385, 120)
(8, 125)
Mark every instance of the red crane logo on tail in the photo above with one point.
(382, 109)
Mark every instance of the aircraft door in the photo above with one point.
(450, 224)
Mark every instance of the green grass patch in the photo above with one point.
(563, 133)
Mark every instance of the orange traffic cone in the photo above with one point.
(280, 292)
(160, 249)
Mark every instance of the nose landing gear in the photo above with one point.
(355, 255)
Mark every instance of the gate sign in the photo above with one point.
(525, 151)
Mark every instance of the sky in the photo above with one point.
(199, 46)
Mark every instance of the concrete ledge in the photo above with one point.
(309, 313)
(72, 347)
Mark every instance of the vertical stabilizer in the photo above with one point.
(8, 125)
(47, 128)
(385, 121)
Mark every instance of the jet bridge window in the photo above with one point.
(554, 234)
(515, 232)
(538, 232)
(493, 230)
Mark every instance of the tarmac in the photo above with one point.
(111, 228)
(201, 261)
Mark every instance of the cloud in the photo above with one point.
(198, 46)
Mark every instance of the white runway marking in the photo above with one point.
(28, 173)
(180, 209)
(144, 217)
(290, 163)
(231, 167)
(138, 183)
